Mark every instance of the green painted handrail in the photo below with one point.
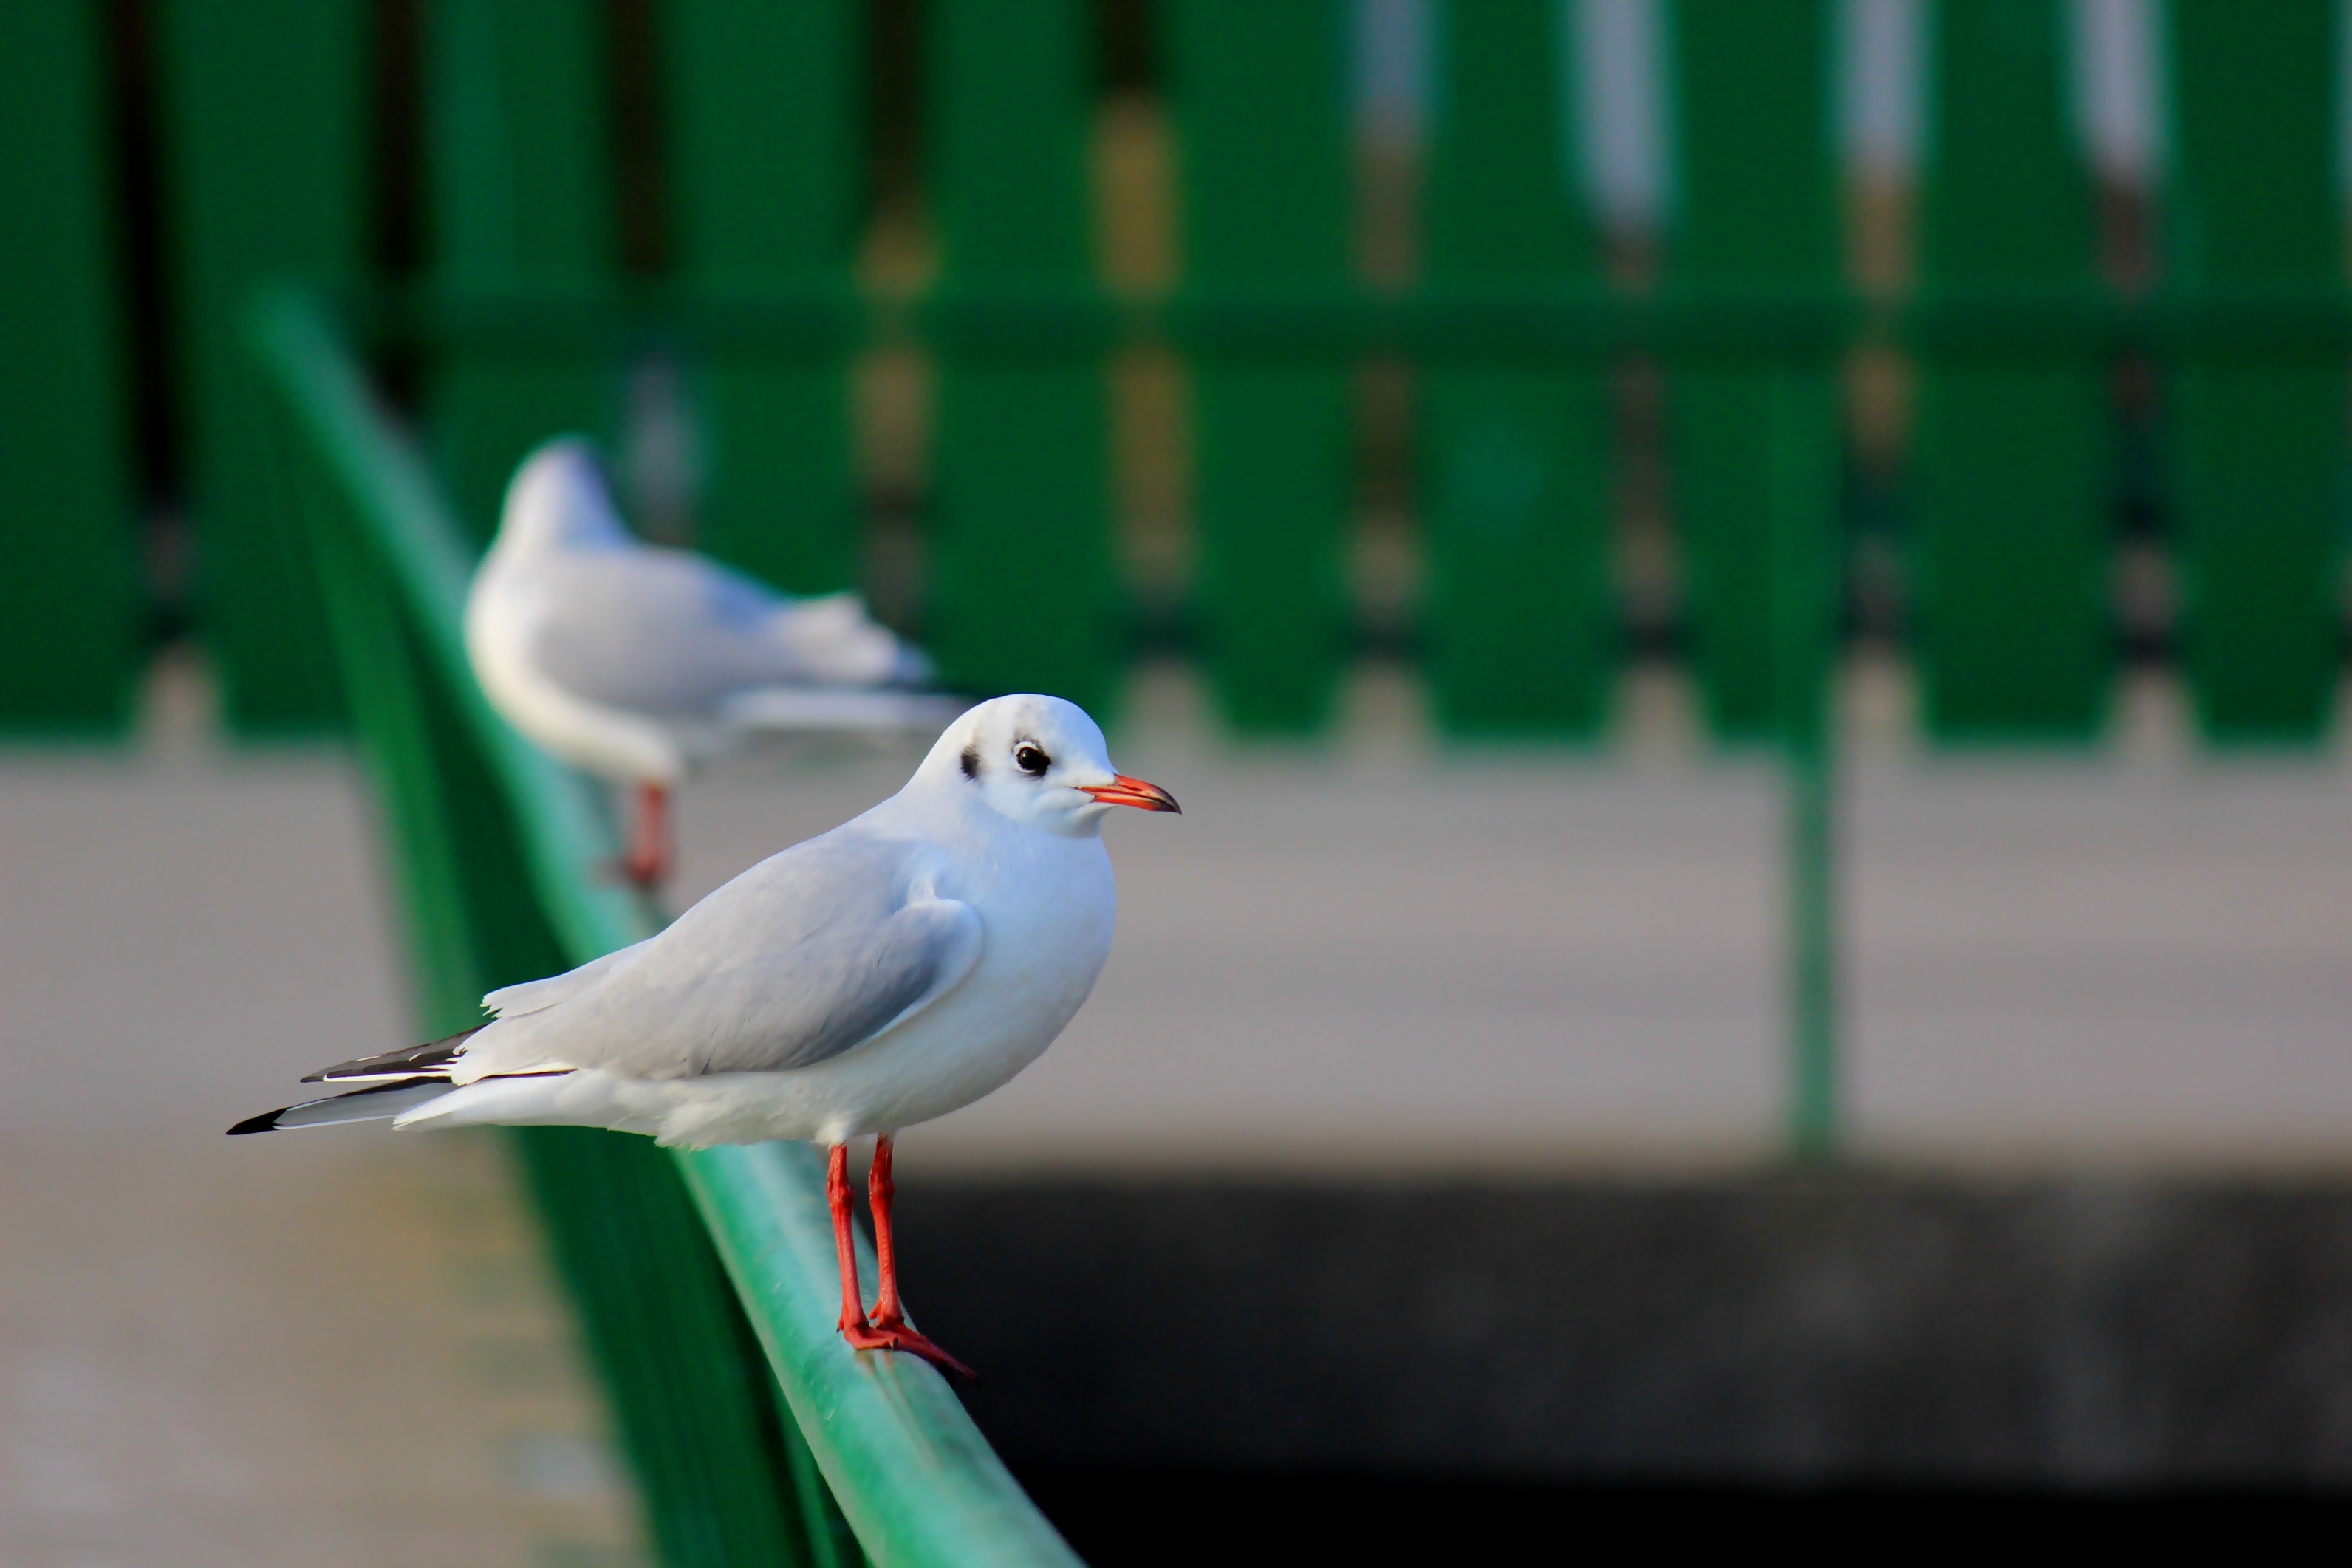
(916, 1480)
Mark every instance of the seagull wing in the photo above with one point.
(530, 995)
(809, 954)
(655, 631)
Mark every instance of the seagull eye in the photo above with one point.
(1030, 760)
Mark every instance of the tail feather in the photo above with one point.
(377, 1102)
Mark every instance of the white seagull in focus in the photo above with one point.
(631, 662)
(892, 970)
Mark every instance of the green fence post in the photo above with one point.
(71, 597)
(1756, 461)
(1022, 587)
(1520, 616)
(1754, 214)
(2250, 208)
(522, 204)
(1802, 560)
(1263, 124)
(764, 157)
(2014, 453)
(266, 109)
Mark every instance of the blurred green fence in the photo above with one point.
(282, 131)
(533, 145)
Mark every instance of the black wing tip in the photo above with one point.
(269, 1121)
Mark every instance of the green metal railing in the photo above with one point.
(704, 1281)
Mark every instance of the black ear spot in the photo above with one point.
(971, 761)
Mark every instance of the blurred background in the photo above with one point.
(1747, 598)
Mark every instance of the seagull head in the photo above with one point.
(559, 500)
(1040, 761)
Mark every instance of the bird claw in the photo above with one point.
(913, 1344)
(895, 1334)
(861, 1335)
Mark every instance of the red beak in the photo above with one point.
(1125, 792)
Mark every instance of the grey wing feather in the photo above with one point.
(845, 989)
(657, 629)
(807, 954)
(530, 995)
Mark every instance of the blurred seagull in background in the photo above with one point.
(892, 970)
(632, 662)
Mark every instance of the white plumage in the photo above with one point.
(901, 965)
(632, 662)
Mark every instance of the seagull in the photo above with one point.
(892, 970)
(630, 661)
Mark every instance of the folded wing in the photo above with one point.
(530, 995)
(659, 631)
(810, 954)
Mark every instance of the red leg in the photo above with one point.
(890, 1316)
(648, 863)
(880, 1188)
(860, 1333)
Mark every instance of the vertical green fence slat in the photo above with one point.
(1755, 450)
(1755, 210)
(267, 108)
(518, 130)
(2258, 443)
(1519, 617)
(2010, 581)
(70, 591)
(1800, 551)
(1262, 125)
(695, 1404)
(765, 148)
(1021, 580)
